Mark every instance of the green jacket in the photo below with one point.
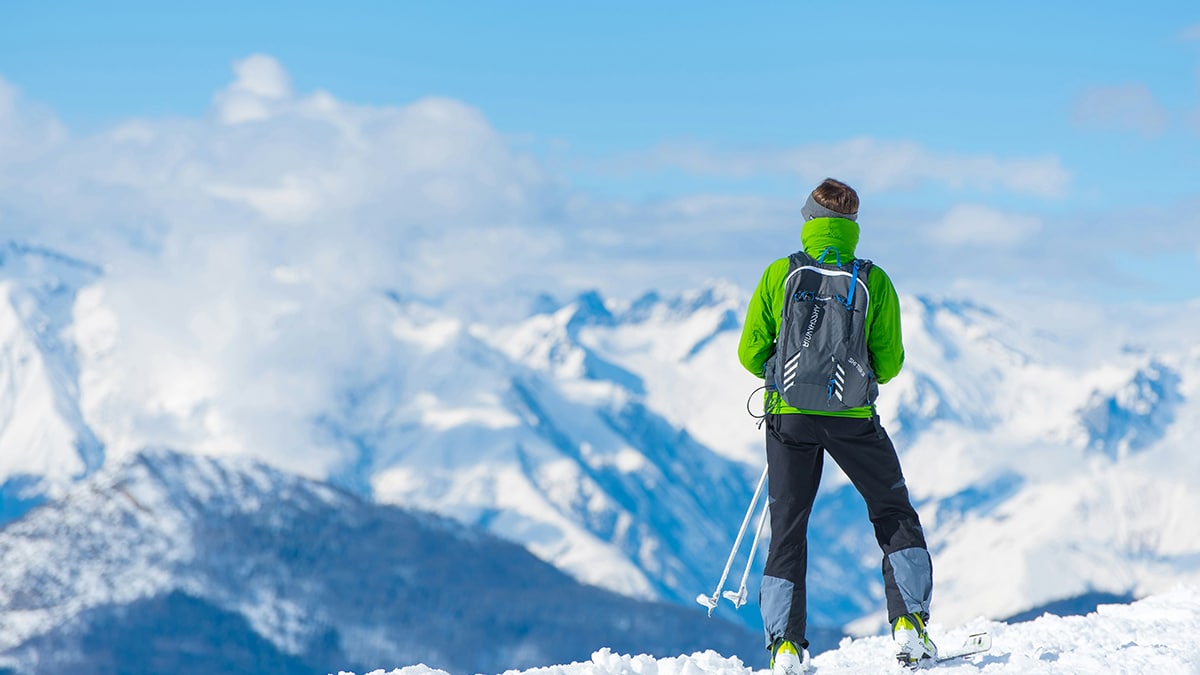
(766, 307)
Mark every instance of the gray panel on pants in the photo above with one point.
(775, 601)
(914, 577)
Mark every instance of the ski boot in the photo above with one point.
(912, 641)
(788, 659)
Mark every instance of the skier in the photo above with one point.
(797, 439)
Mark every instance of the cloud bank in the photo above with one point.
(27, 131)
(872, 165)
(253, 254)
(1127, 108)
(426, 197)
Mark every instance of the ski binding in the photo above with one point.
(976, 643)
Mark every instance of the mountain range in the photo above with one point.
(170, 562)
(1048, 446)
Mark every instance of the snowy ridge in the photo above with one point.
(168, 562)
(678, 353)
(1160, 634)
(44, 441)
(537, 438)
(136, 530)
(1008, 429)
(1063, 504)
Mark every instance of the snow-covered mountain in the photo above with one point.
(165, 562)
(1061, 462)
(1051, 460)
(586, 475)
(1048, 446)
(555, 448)
(44, 442)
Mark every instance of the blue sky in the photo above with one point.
(1064, 122)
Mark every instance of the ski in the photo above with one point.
(976, 643)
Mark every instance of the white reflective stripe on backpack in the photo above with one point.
(831, 273)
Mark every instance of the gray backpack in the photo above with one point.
(821, 360)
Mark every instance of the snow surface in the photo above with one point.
(1160, 635)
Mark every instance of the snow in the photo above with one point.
(612, 439)
(1159, 634)
(293, 566)
(42, 433)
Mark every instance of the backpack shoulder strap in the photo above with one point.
(800, 258)
(860, 268)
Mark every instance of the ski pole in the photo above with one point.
(711, 602)
(739, 598)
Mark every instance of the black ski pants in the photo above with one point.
(796, 445)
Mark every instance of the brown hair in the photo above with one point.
(836, 196)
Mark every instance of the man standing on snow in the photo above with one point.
(823, 330)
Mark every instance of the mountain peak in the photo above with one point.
(590, 309)
(45, 442)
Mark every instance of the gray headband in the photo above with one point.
(812, 209)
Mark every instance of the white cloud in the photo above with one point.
(392, 196)
(1125, 108)
(871, 164)
(1191, 33)
(247, 253)
(976, 225)
(316, 171)
(261, 86)
(26, 130)
(289, 199)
